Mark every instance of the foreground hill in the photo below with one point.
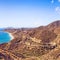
(41, 43)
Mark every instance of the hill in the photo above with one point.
(41, 43)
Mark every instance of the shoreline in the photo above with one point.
(10, 34)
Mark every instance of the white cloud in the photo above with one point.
(58, 0)
(52, 1)
(57, 9)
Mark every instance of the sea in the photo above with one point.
(4, 37)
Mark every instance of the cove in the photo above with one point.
(5, 37)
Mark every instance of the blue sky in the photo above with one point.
(28, 13)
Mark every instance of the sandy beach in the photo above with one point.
(10, 34)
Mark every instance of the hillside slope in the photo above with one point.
(41, 43)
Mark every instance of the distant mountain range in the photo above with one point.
(41, 43)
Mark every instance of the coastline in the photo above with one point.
(10, 34)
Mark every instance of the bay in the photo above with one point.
(4, 37)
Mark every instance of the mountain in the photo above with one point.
(41, 43)
(54, 24)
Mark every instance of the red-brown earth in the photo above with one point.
(40, 43)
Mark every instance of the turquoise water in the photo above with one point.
(4, 37)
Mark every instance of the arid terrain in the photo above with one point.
(40, 43)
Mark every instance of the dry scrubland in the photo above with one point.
(41, 43)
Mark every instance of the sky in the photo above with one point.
(28, 13)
